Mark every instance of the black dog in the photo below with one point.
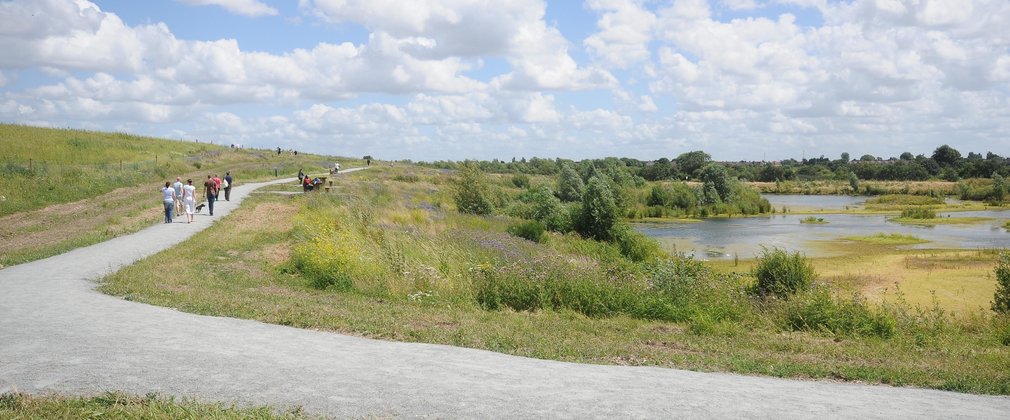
(200, 207)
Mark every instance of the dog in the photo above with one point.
(200, 207)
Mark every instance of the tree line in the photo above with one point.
(945, 163)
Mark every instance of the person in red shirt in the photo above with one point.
(217, 188)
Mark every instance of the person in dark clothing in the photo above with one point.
(301, 176)
(227, 186)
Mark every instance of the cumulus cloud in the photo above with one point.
(625, 31)
(514, 30)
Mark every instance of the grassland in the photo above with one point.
(940, 220)
(388, 257)
(63, 189)
(887, 239)
(119, 406)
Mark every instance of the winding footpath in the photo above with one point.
(57, 334)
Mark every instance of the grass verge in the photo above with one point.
(118, 405)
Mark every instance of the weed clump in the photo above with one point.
(820, 311)
(530, 230)
(1001, 298)
(781, 274)
(918, 213)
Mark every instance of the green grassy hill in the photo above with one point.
(44, 166)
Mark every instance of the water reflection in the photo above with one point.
(744, 237)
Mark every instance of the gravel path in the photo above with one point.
(59, 335)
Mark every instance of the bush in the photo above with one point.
(599, 211)
(547, 284)
(530, 230)
(521, 181)
(1001, 299)
(782, 274)
(634, 245)
(546, 208)
(689, 290)
(820, 311)
(472, 193)
(918, 213)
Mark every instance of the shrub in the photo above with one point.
(820, 311)
(521, 181)
(546, 208)
(918, 213)
(1001, 299)
(472, 193)
(1001, 330)
(530, 230)
(782, 274)
(549, 284)
(599, 211)
(689, 290)
(634, 245)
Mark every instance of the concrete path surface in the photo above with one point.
(59, 335)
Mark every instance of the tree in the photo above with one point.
(691, 162)
(998, 187)
(715, 175)
(570, 184)
(906, 156)
(868, 158)
(946, 156)
(845, 157)
(472, 192)
(599, 211)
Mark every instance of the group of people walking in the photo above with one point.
(179, 197)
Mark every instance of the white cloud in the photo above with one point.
(240, 7)
(436, 29)
(625, 31)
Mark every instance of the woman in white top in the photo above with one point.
(168, 197)
(189, 199)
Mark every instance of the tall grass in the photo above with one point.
(918, 213)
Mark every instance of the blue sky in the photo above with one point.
(457, 79)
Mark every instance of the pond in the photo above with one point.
(744, 236)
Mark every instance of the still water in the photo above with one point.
(744, 236)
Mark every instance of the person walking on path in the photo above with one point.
(301, 176)
(168, 197)
(189, 199)
(217, 191)
(178, 195)
(227, 186)
(210, 189)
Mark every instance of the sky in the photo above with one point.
(459, 79)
